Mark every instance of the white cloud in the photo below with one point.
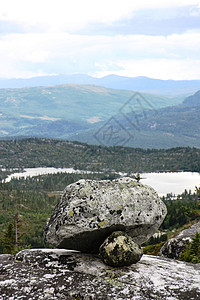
(50, 48)
(158, 68)
(62, 15)
(154, 56)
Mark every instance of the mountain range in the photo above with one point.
(172, 126)
(99, 115)
(141, 83)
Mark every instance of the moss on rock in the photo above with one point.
(119, 250)
(89, 211)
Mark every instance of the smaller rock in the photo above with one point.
(120, 250)
(173, 247)
(90, 210)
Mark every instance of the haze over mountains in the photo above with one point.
(99, 115)
(172, 126)
(156, 86)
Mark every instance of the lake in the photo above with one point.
(163, 183)
(30, 172)
(171, 182)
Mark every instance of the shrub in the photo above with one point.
(153, 249)
(192, 251)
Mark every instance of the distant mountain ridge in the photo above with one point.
(193, 100)
(89, 113)
(167, 127)
(63, 110)
(141, 83)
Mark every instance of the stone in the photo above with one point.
(52, 274)
(173, 247)
(120, 250)
(89, 211)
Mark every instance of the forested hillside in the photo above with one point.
(25, 207)
(193, 100)
(58, 153)
(83, 112)
(168, 127)
(62, 110)
(26, 204)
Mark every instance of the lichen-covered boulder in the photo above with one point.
(120, 250)
(89, 211)
(173, 247)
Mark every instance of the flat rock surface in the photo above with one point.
(62, 274)
(89, 211)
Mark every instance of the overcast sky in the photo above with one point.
(154, 38)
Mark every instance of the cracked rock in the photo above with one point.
(56, 274)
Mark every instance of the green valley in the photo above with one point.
(64, 110)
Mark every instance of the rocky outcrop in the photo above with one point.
(63, 274)
(173, 247)
(120, 250)
(89, 211)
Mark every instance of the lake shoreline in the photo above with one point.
(163, 182)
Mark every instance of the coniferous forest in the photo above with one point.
(26, 204)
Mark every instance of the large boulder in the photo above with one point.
(60, 274)
(173, 247)
(89, 211)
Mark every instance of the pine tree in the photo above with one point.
(137, 177)
(8, 239)
(11, 239)
(198, 192)
(192, 251)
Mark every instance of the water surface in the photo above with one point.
(163, 183)
(30, 172)
(171, 182)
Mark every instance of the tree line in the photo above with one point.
(35, 152)
(24, 213)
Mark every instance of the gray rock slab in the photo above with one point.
(173, 247)
(62, 274)
(89, 211)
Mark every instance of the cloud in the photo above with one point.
(64, 15)
(150, 22)
(175, 69)
(47, 53)
(100, 37)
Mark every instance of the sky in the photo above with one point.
(153, 38)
